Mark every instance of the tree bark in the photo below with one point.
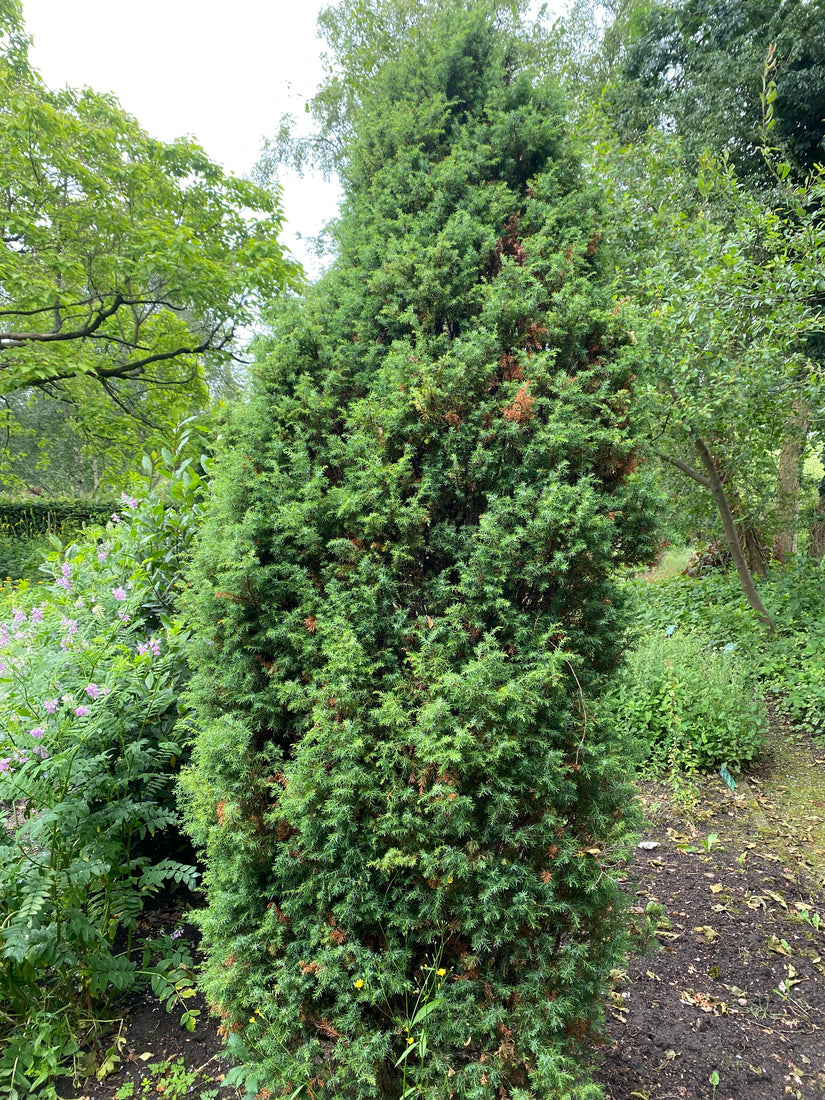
(816, 535)
(789, 480)
(729, 527)
(712, 481)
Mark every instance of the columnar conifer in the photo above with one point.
(405, 605)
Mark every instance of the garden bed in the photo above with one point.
(734, 985)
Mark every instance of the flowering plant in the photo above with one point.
(90, 677)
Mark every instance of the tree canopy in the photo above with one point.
(122, 258)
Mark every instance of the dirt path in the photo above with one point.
(732, 1006)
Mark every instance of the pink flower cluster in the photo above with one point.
(65, 580)
(150, 646)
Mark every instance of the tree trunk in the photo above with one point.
(789, 480)
(713, 482)
(756, 554)
(750, 538)
(816, 536)
(718, 491)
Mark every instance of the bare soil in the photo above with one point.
(732, 1004)
(729, 1001)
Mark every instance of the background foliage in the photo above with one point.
(91, 673)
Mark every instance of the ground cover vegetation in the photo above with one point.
(91, 673)
(404, 601)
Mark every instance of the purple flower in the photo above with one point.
(130, 502)
(69, 624)
(65, 580)
(4, 634)
(19, 616)
(92, 690)
(81, 712)
(115, 517)
(37, 615)
(124, 616)
(36, 732)
(150, 646)
(41, 752)
(119, 593)
(50, 706)
(102, 554)
(5, 764)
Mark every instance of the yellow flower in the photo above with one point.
(252, 1019)
(449, 880)
(441, 972)
(411, 1040)
(359, 983)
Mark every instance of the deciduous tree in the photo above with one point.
(123, 259)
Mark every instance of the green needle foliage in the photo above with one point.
(404, 600)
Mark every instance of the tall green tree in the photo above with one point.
(696, 67)
(716, 198)
(405, 606)
(123, 259)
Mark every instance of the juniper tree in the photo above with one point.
(405, 602)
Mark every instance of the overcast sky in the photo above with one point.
(221, 72)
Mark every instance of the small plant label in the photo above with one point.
(727, 777)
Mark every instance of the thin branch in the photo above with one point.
(17, 339)
(683, 466)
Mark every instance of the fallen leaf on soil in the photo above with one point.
(710, 934)
(717, 888)
(779, 947)
(704, 1002)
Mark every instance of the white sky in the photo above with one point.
(223, 72)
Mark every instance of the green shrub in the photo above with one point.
(21, 556)
(91, 673)
(689, 705)
(404, 602)
(787, 663)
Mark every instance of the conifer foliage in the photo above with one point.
(405, 604)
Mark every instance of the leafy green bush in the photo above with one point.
(404, 602)
(788, 663)
(91, 673)
(687, 704)
(27, 525)
(21, 556)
